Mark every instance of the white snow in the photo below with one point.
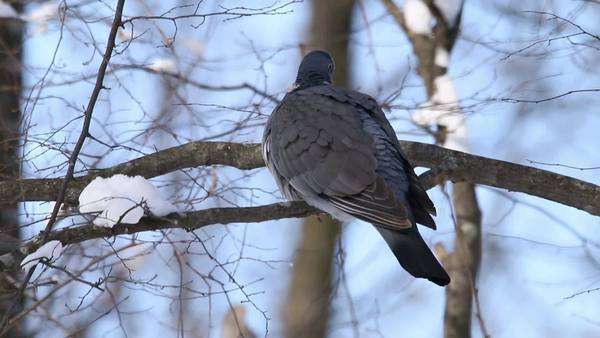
(449, 9)
(417, 17)
(441, 57)
(443, 110)
(51, 251)
(122, 198)
(7, 11)
(457, 138)
(445, 92)
(167, 65)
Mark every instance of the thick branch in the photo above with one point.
(457, 166)
(189, 155)
(447, 164)
(189, 221)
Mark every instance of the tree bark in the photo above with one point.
(463, 263)
(11, 45)
(307, 307)
(445, 164)
(307, 310)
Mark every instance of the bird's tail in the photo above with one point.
(413, 254)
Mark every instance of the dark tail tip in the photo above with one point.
(415, 256)
(441, 281)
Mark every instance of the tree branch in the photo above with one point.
(457, 166)
(110, 44)
(85, 129)
(189, 155)
(188, 221)
(463, 263)
(446, 164)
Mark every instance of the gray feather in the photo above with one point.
(327, 147)
(335, 149)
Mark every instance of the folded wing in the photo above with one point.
(322, 150)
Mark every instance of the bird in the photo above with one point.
(335, 149)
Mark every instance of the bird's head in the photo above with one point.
(315, 69)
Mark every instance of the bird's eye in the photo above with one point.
(330, 67)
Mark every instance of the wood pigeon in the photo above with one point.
(335, 149)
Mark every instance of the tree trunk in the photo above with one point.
(11, 44)
(463, 263)
(307, 310)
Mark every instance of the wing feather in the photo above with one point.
(322, 150)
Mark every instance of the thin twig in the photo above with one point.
(73, 158)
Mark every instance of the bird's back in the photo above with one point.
(335, 149)
(358, 115)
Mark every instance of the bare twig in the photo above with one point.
(85, 130)
(73, 158)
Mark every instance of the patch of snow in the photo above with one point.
(449, 9)
(443, 110)
(120, 209)
(441, 57)
(122, 198)
(417, 17)
(426, 115)
(444, 90)
(161, 65)
(51, 251)
(7, 11)
(457, 137)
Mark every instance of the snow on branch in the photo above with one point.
(443, 110)
(40, 17)
(122, 199)
(417, 17)
(442, 58)
(49, 251)
(454, 165)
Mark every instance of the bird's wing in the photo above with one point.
(420, 205)
(318, 145)
(284, 185)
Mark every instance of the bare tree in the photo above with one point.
(433, 49)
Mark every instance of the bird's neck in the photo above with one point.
(311, 80)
